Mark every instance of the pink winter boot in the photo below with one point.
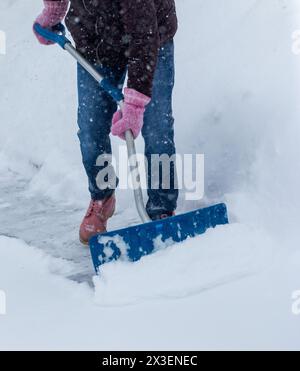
(95, 220)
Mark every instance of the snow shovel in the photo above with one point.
(133, 243)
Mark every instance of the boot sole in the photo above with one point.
(84, 243)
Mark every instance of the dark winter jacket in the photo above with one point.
(123, 33)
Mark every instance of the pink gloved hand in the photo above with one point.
(53, 13)
(131, 117)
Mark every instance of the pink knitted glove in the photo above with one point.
(131, 116)
(53, 13)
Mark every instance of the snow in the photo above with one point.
(235, 287)
(47, 311)
(185, 270)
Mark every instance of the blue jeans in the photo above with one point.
(95, 112)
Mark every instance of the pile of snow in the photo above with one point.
(181, 271)
(47, 312)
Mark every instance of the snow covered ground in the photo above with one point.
(237, 90)
(47, 311)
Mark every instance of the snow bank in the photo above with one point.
(215, 259)
(38, 298)
(47, 312)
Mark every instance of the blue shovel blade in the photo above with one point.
(135, 242)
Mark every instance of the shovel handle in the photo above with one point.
(56, 34)
(136, 180)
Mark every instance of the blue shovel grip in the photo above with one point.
(56, 34)
(114, 92)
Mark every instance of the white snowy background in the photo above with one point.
(236, 101)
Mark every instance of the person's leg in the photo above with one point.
(95, 111)
(158, 133)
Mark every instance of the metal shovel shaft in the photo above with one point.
(83, 62)
(136, 179)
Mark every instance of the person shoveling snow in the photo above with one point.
(115, 39)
